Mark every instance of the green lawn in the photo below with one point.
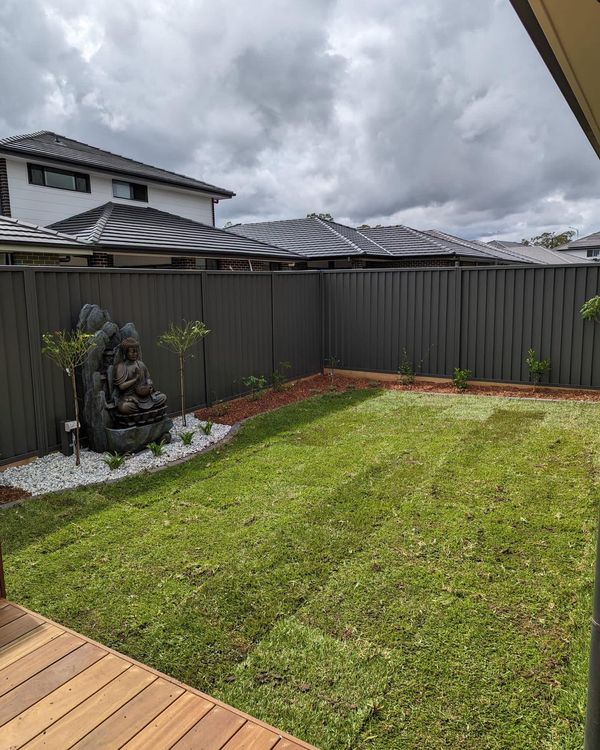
(371, 569)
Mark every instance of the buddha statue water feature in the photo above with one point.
(135, 391)
(123, 411)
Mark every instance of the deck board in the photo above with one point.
(60, 690)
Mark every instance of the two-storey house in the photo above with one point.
(127, 213)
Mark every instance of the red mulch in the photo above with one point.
(230, 412)
(9, 494)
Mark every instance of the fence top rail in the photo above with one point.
(507, 267)
(155, 271)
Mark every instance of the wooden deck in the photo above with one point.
(61, 690)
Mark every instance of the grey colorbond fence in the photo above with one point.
(482, 319)
(256, 321)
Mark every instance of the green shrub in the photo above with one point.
(406, 369)
(279, 376)
(207, 426)
(537, 367)
(187, 437)
(460, 379)
(256, 384)
(157, 449)
(114, 460)
(591, 309)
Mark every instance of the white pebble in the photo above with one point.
(58, 472)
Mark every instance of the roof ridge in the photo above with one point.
(483, 250)
(424, 235)
(370, 239)
(15, 139)
(325, 223)
(96, 235)
(39, 227)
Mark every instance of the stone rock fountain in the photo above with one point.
(122, 410)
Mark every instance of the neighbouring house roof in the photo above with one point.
(583, 243)
(17, 232)
(536, 253)
(317, 238)
(498, 253)
(58, 148)
(311, 237)
(141, 228)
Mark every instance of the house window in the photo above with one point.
(132, 191)
(58, 178)
(594, 253)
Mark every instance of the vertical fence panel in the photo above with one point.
(237, 309)
(18, 434)
(297, 322)
(371, 317)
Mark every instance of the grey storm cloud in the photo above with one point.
(430, 113)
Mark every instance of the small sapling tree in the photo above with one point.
(69, 350)
(591, 309)
(537, 367)
(179, 340)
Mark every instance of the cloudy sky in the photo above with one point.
(431, 113)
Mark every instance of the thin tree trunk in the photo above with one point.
(76, 403)
(182, 388)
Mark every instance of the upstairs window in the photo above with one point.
(594, 253)
(132, 191)
(58, 178)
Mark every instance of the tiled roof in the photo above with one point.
(316, 238)
(17, 232)
(114, 225)
(48, 145)
(311, 237)
(478, 249)
(591, 240)
(535, 253)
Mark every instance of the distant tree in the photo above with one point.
(550, 239)
(364, 226)
(324, 216)
(228, 224)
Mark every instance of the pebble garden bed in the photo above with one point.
(56, 471)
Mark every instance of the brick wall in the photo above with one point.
(244, 264)
(4, 194)
(35, 259)
(101, 260)
(183, 262)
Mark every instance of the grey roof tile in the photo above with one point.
(590, 240)
(118, 226)
(17, 232)
(535, 253)
(48, 145)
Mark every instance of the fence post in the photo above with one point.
(322, 296)
(35, 356)
(204, 367)
(272, 323)
(457, 316)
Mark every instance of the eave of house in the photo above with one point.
(566, 34)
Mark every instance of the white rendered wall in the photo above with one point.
(44, 205)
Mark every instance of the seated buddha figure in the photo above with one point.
(136, 392)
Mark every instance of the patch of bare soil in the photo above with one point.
(230, 412)
(9, 494)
